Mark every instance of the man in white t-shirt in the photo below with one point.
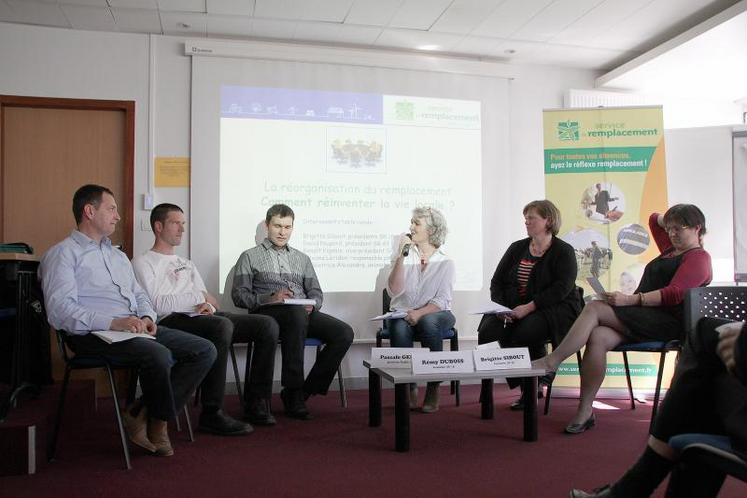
(179, 296)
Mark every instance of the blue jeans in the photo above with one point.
(429, 331)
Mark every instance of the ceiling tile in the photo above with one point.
(336, 33)
(373, 12)
(509, 16)
(184, 23)
(648, 25)
(231, 7)
(134, 4)
(325, 10)
(182, 5)
(321, 31)
(138, 20)
(569, 56)
(31, 12)
(5, 12)
(279, 9)
(463, 16)
(415, 40)
(359, 35)
(478, 45)
(93, 18)
(229, 25)
(554, 18)
(418, 14)
(597, 21)
(268, 28)
(92, 3)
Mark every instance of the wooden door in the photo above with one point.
(49, 148)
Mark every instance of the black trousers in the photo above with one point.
(170, 367)
(531, 332)
(221, 329)
(703, 398)
(295, 325)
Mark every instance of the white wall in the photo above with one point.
(149, 69)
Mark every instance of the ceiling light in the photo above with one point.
(428, 47)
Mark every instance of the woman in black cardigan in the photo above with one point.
(536, 279)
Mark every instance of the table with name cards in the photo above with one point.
(401, 377)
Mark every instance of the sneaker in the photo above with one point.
(294, 404)
(258, 412)
(222, 425)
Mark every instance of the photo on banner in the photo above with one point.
(605, 170)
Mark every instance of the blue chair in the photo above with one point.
(661, 347)
(708, 450)
(309, 342)
(451, 335)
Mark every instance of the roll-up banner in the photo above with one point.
(605, 170)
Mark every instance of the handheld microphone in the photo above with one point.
(406, 247)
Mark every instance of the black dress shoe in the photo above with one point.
(221, 424)
(546, 380)
(582, 427)
(518, 405)
(258, 412)
(603, 492)
(294, 405)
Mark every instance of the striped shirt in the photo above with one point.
(265, 269)
(524, 271)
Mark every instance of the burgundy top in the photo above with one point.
(694, 270)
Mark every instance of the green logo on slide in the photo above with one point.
(404, 111)
(568, 130)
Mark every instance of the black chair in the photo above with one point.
(729, 303)
(451, 335)
(86, 362)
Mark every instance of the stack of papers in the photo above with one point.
(111, 336)
(491, 309)
(304, 302)
(391, 315)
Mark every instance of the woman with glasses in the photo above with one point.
(653, 313)
(420, 284)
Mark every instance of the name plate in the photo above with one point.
(502, 359)
(489, 345)
(424, 362)
(392, 357)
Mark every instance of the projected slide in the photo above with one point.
(352, 166)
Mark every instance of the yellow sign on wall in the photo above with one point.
(172, 172)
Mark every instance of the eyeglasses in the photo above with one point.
(676, 228)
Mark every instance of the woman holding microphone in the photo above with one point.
(420, 283)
